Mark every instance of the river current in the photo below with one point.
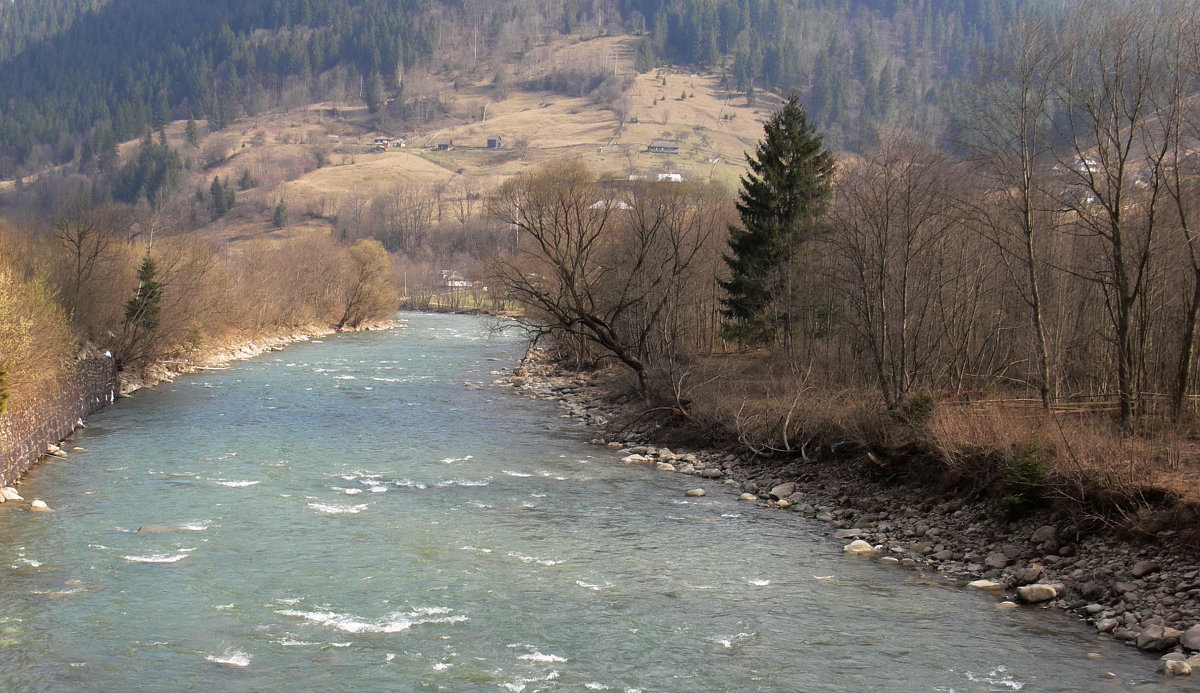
(351, 515)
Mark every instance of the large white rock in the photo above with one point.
(859, 547)
(987, 585)
(635, 459)
(10, 493)
(696, 492)
(665, 467)
(748, 497)
(1171, 667)
(39, 506)
(1034, 594)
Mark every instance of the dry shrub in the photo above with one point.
(770, 408)
(1081, 458)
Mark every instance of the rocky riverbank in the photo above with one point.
(1143, 591)
(220, 356)
(214, 357)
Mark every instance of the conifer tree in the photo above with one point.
(280, 217)
(780, 203)
(192, 132)
(143, 311)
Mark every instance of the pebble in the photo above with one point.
(696, 493)
(748, 497)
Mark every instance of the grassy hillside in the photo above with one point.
(280, 150)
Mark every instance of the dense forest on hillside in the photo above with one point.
(24, 22)
(76, 88)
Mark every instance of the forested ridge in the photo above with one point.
(81, 76)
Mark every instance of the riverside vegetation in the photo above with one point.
(995, 296)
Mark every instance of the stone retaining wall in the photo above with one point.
(25, 436)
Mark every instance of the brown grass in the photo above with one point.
(1076, 461)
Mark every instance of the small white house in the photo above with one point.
(452, 279)
(670, 177)
(382, 142)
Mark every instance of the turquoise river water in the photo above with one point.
(347, 515)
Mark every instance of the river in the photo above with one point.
(349, 515)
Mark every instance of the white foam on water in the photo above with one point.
(472, 548)
(519, 685)
(338, 509)
(533, 559)
(464, 482)
(757, 582)
(539, 657)
(237, 484)
(194, 527)
(345, 377)
(729, 641)
(161, 557)
(30, 562)
(996, 677)
(516, 474)
(288, 600)
(98, 547)
(594, 588)
(57, 593)
(452, 460)
(224, 607)
(347, 491)
(593, 686)
(389, 657)
(442, 666)
(292, 642)
(379, 489)
(731, 515)
(409, 483)
(392, 623)
(231, 658)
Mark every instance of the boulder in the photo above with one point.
(665, 467)
(1006, 605)
(782, 491)
(748, 497)
(696, 492)
(890, 560)
(987, 585)
(1036, 593)
(711, 473)
(859, 547)
(635, 459)
(997, 560)
(687, 469)
(1107, 625)
(1028, 575)
(1156, 638)
(10, 493)
(851, 533)
(824, 517)
(39, 506)
(1171, 667)
(784, 504)
(1143, 568)
(1041, 535)
(1191, 638)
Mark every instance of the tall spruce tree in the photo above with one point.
(143, 311)
(781, 201)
